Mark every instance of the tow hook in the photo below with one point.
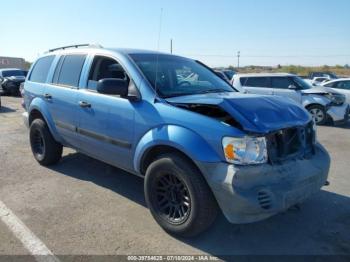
(327, 183)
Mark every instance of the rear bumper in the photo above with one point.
(252, 193)
(339, 113)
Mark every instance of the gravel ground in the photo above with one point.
(84, 207)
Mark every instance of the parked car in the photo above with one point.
(319, 80)
(322, 103)
(222, 75)
(200, 145)
(10, 80)
(341, 85)
(328, 75)
(226, 75)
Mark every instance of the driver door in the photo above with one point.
(106, 122)
(285, 86)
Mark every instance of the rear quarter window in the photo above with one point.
(41, 69)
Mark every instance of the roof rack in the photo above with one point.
(75, 46)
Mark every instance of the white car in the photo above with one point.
(341, 85)
(323, 103)
(319, 80)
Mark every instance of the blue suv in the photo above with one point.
(200, 145)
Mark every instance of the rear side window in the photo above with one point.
(333, 84)
(281, 82)
(69, 72)
(343, 85)
(41, 69)
(255, 81)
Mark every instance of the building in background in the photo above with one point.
(13, 62)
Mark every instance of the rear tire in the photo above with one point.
(178, 196)
(44, 147)
(318, 113)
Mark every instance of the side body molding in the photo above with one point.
(184, 140)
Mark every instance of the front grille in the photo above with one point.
(295, 142)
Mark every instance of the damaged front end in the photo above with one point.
(249, 186)
(292, 143)
(285, 129)
(212, 111)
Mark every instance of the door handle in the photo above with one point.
(48, 96)
(84, 104)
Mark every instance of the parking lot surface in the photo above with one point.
(85, 207)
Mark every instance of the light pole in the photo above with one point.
(238, 56)
(171, 46)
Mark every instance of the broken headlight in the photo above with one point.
(245, 151)
(336, 99)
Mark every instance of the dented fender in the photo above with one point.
(309, 99)
(178, 137)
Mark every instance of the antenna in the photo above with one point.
(158, 46)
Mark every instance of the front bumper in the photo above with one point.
(339, 113)
(248, 194)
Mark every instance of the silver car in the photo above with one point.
(341, 85)
(322, 102)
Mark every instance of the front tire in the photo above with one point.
(318, 113)
(178, 196)
(44, 147)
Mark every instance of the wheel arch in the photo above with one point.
(38, 109)
(174, 139)
(152, 153)
(314, 104)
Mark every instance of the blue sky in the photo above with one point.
(269, 32)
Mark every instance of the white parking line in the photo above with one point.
(30, 241)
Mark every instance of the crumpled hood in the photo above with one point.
(319, 90)
(255, 113)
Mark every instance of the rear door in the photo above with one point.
(39, 75)
(62, 96)
(257, 85)
(286, 87)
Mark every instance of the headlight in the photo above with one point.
(336, 99)
(245, 151)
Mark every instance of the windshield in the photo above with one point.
(9, 73)
(179, 76)
(302, 83)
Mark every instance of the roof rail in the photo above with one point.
(75, 46)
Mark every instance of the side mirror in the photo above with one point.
(113, 86)
(292, 87)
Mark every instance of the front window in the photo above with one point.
(302, 84)
(176, 76)
(9, 73)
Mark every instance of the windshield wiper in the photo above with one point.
(218, 90)
(178, 94)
